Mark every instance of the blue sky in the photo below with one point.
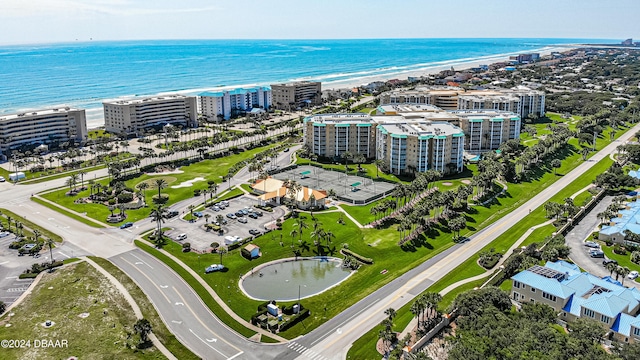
(42, 21)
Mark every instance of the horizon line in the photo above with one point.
(91, 40)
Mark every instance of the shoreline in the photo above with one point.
(95, 114)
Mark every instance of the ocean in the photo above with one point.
(84, 74)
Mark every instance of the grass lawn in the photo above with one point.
(383, 249)
(197, 287)
(362, 213)
(623, 260)
(247, 187)
(67, 213)
(148, 311)
(178, 187)
(27, 232)
(61, 297)
(523, 192)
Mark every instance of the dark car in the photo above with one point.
(171, 213)
(126, 225)
(259, 213)
(254, 232)
(253, 215)
(198, 214)
(239, 213)
(609, 261)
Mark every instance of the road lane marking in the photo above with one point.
(148, 278)
(214, 349)
(63, 254)
(344, 322)
(176, 322)
(236, 355)
(200, 320)
(141, 260)
(2, 263)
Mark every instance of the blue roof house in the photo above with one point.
(574, 294)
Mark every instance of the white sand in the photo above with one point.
(188, 183)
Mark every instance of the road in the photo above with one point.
(329, 341)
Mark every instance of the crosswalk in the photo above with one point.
(305, 351)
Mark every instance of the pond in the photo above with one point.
(286, 279)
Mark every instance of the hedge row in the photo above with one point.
(358, 257)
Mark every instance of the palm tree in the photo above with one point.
(160, 184)
(611, 267)
(157, 215)
(379, 163)
(623, 271)
(191, 207)
(50, 244)
(206, 218)
(142, 187)
(82, 173)
(391, 313)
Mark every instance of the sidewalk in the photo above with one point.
(134, 306)
(217, 298)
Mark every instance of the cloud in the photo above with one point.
(22, 8)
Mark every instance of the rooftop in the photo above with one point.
(627, 219)
(37, 113)
(238, 91)
(147, 99)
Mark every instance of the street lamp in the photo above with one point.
(299, 286)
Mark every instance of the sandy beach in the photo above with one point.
(429, 70)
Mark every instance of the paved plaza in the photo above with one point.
(349, 188)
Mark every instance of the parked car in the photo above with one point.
(4, 233)
(243, 220)
(224, 202)
(231, 216)
(252, 215)
(198, 214)
(259, 213)
(609, 261)
(2, 179)
(286, 150)
(171, 213)
(632, 275)
(213, 267)
(215, 208)
(126, 225)
(254, 232)
(181, 237)
(222, 206)
(596, 254)
(591, 244)
(239, 213)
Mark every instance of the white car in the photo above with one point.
(2, 179)
(213, 267)
(632, 275)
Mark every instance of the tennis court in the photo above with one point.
(349, 188)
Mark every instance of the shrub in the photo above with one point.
(186, 247)
(358, 257)
(635, 257)
(163, 199)
(619, 249)
(215, 245)
(125, 197)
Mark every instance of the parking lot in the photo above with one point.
(201, 239)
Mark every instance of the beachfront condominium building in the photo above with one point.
(136, 115)
(232, 103)
(407, 144)
(35, 128)
(522, 101)
(291, 96)
(331, 135)
(484, 130)
(419, 145)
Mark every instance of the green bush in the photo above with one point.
(125, 197)
(358, 257)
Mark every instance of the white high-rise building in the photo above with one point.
(228, 103)
(42, 127)
(133, 116)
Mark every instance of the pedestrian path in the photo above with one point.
(301, 349)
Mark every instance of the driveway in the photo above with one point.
(200, 239)
(12, 265)
(582, 231)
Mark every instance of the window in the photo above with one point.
(516, 284)
(548, 296)
(533, 289)
(589, 313)
(636, 331)
(604, 319)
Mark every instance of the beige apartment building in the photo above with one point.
(290, 96)
(409, 146)
(406, 143)
(522, 101)
(41, 127)
(485, 130)
(133, 116)
(331, 135)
